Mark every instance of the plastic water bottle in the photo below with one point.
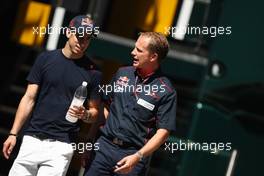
(78, 100)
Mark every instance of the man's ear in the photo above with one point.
(68, 33)
(154, 57)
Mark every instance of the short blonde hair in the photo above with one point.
(158, 44)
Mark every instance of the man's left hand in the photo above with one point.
(126, 165)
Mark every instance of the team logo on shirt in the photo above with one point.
(122, 81)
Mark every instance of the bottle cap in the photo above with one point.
(84, 83)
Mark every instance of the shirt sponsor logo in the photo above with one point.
(122, 81)
(145, 104)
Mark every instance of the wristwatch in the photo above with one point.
(140, 155)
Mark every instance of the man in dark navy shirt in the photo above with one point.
(46, 148)
(141, 113)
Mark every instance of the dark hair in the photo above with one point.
(158, 43)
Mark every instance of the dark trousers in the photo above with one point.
(108, 155)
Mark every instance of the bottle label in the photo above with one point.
(77, 101)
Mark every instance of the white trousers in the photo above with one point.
(41, 158)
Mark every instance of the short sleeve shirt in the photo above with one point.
(139, 107)
(58, 77)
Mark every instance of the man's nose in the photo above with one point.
(133, 52)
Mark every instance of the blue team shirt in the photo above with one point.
(58, 77)
(136, 113)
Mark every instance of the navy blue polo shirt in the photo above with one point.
(139, 107)
(58, 77)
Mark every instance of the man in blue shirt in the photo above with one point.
(53, 79)
(141, 113)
